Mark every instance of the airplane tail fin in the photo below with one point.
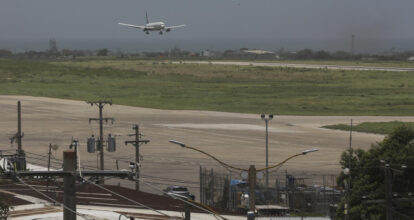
(146, 16)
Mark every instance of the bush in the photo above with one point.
(4, 208)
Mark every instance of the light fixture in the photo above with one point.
(177, 142)
(310, 151)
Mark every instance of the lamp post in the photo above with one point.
(251, 171)
(267, 119)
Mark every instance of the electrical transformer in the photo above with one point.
(91, 144)
(111, 143)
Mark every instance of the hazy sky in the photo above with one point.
(209, 18)
(281, 21)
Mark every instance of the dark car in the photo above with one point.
(179, 191)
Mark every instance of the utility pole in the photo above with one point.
(69, 199)
(252, 187)
(348, 186)
(388, 193)
(48, 166)
(70, 175)
(389, 200)
(18, 136)
(19, 130)
(100, 104)
(137, 142)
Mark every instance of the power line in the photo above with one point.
(63, 205)
(135, 202)
(183, 200)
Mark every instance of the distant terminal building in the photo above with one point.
(250, 54)
(210, 53)
(259, 52)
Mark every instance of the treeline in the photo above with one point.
(52, 53)
(176, 53)
(66, 53)
(308, 54)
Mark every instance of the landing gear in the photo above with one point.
(160, 32)
(147, 32)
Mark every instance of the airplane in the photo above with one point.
(153, 26)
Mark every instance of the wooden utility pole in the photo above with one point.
(348, 186)
(100, 104)
(19, 130)
(69, 199)
(388, 193)
(18, 136)
(187, 211)
(48, 166)
(137, 142)
(252, 188)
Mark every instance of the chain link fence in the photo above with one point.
(286, 192)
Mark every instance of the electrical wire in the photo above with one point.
(215, 214)
(63, 205)
(209, 211)
(135, 202)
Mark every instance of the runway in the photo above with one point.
(306, 66)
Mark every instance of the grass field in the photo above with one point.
(249, 89)
(372, 127)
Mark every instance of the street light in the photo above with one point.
(269, 117)
(251, 171)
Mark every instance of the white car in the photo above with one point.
(178, 191)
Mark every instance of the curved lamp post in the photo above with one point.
(251, 171)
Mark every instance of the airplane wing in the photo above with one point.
(177, 26)
(130, 25)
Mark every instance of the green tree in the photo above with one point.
(368, 177)
(4, 208)
(103, 52)
(5, 53)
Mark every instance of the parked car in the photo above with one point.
(178, 191)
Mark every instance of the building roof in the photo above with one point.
(259, 52)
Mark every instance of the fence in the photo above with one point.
(306, 193)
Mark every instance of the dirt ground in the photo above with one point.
(237, 139)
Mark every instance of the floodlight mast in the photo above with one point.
(267, 119)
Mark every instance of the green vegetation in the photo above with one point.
(368, 171)
(249, 89)
(372, 127)
(4, 208)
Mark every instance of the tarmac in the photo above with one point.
(235, 138)
(306, 66)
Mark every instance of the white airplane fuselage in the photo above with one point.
(154, 26)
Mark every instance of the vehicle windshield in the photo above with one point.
(181, 189)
